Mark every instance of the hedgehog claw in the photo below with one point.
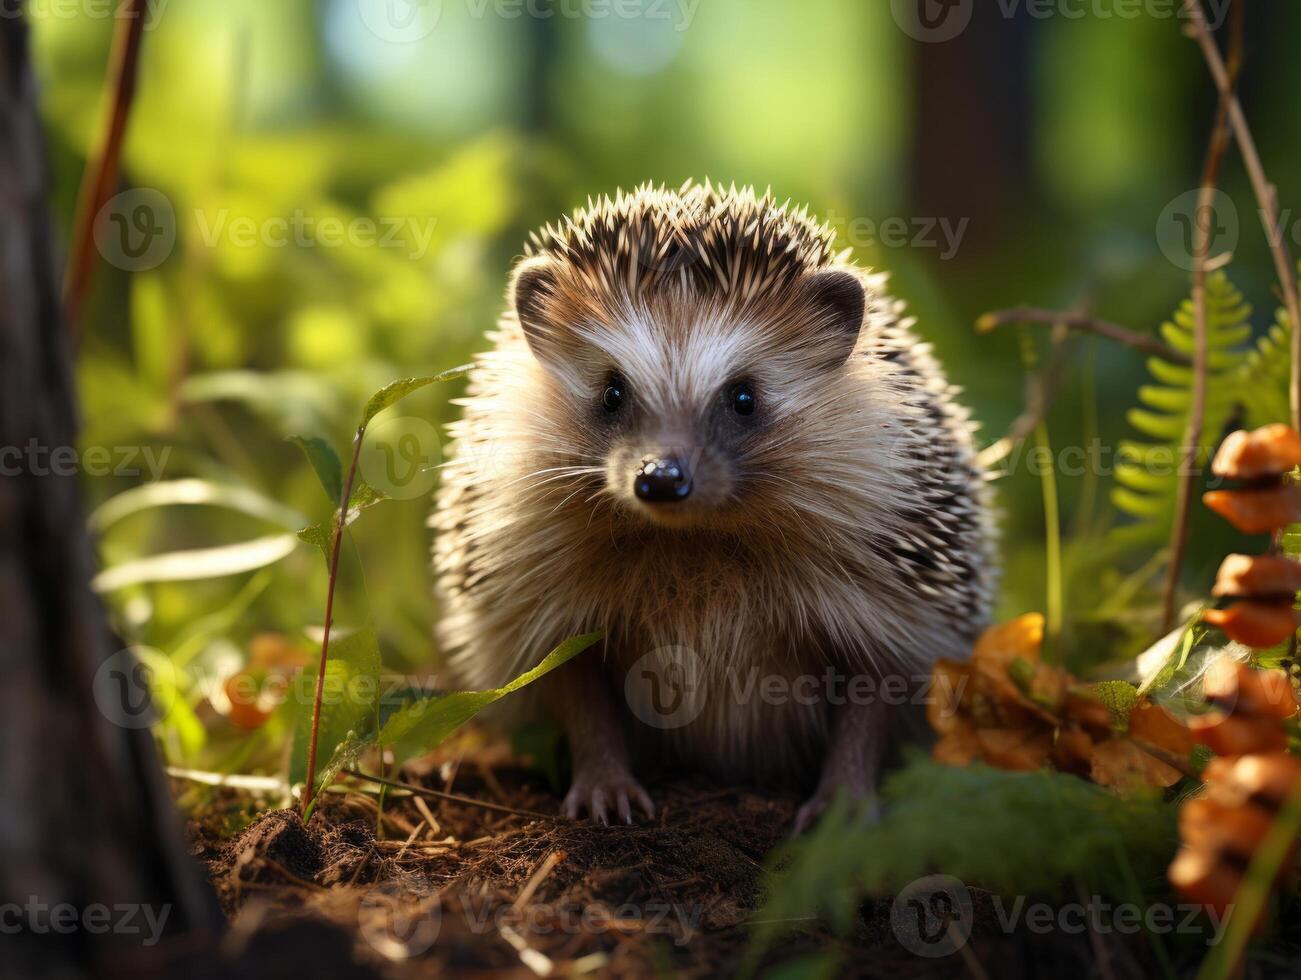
(596, 793)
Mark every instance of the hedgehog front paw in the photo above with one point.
(596, 789)
(864, 801)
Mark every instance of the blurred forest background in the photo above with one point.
(1048, 147)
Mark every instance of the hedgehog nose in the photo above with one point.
(662, 480)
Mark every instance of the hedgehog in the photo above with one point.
(705, 432)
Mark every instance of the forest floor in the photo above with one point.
(452, 888)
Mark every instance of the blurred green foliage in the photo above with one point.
(293, 116)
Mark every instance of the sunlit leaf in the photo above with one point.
(197, 563)
(193, 492)
(422, 725)
(392, 393)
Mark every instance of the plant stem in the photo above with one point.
(1087, 324)
(1190, 468)
(1053, 533)
(103, 166)
(329, 617)
(1266, 194)
(448, 797)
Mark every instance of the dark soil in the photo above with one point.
(490, 893)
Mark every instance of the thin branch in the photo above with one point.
(1041, 388)
(1087, 324)
(449, 797)
(329, 619)
(1266, 194)
(1189, 471)
(104, 164)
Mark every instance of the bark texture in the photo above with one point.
(85, 815)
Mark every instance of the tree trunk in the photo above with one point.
(86, 820)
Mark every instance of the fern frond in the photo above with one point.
(1250, 381)
(1013, 833)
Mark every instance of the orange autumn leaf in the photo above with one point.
(1152, 724)
(1258, 577)
(1248, 692)
(1206, 822)
(1201, 878)
(1231, 734)
(1014, 749)
(948, 682)
(1254, 623)
(1257, 511)
(1271, 450)
(1120, 763)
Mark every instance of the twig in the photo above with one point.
(1087, 324)
(104, 164)
(449, 797)
(1189, 471)
(1266, 195)
(536, 879)
(329, 618)
(1041, 389)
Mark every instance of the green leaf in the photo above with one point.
(193, 492)
(345, 756)
(325, 461)
(348, 699)
(321, 534)
(393, 393)
(423, 725)
(197, 563)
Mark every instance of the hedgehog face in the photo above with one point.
(684, 398)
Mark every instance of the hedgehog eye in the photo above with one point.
(613, 395)
(742, 399)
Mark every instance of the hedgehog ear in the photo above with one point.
(533, 283)
(837, 302)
